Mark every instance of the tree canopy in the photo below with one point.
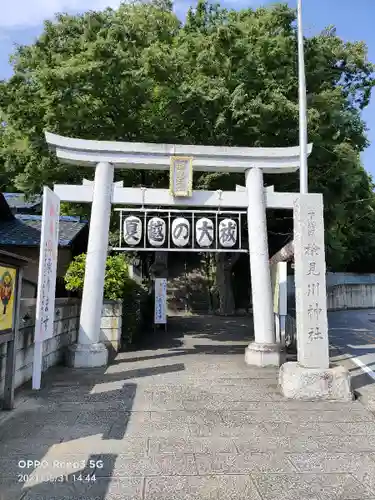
(223, 77)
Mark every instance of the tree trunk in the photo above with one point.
(159, 268)
(224, 266)
(285, 254)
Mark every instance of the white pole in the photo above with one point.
(302, 104)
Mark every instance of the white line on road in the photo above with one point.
(364, 346)
(364, 367)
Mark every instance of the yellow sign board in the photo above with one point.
(8, 276)
(181, 176)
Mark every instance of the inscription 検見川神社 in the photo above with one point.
(313, 271)
(314, 333)
(312, 250)
(313, 289)
(314, 310)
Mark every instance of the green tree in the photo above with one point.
(116, 276)
(224, 77)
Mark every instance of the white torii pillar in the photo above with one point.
(89, 351)
(263, 351)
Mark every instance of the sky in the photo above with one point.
(21, 22)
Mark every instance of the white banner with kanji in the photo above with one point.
(49, 240)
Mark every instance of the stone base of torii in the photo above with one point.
(311, 377)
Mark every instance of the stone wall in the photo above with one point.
(351, 296)
(65, 333)
(111, 326)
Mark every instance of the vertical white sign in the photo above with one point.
(160, 315)
(45, 304)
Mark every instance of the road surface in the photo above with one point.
(353, 333)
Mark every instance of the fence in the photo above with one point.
(335, 279)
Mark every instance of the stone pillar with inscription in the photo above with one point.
(310, 281)
(311, 377)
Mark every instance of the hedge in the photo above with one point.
(136, 301)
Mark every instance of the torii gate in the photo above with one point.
(312, 330)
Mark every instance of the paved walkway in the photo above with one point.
(185, 421)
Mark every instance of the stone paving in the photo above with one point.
(183, 418)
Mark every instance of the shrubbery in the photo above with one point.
(118, 285)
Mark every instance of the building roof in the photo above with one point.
(5, 211)
(17, 201)
(24, 230)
